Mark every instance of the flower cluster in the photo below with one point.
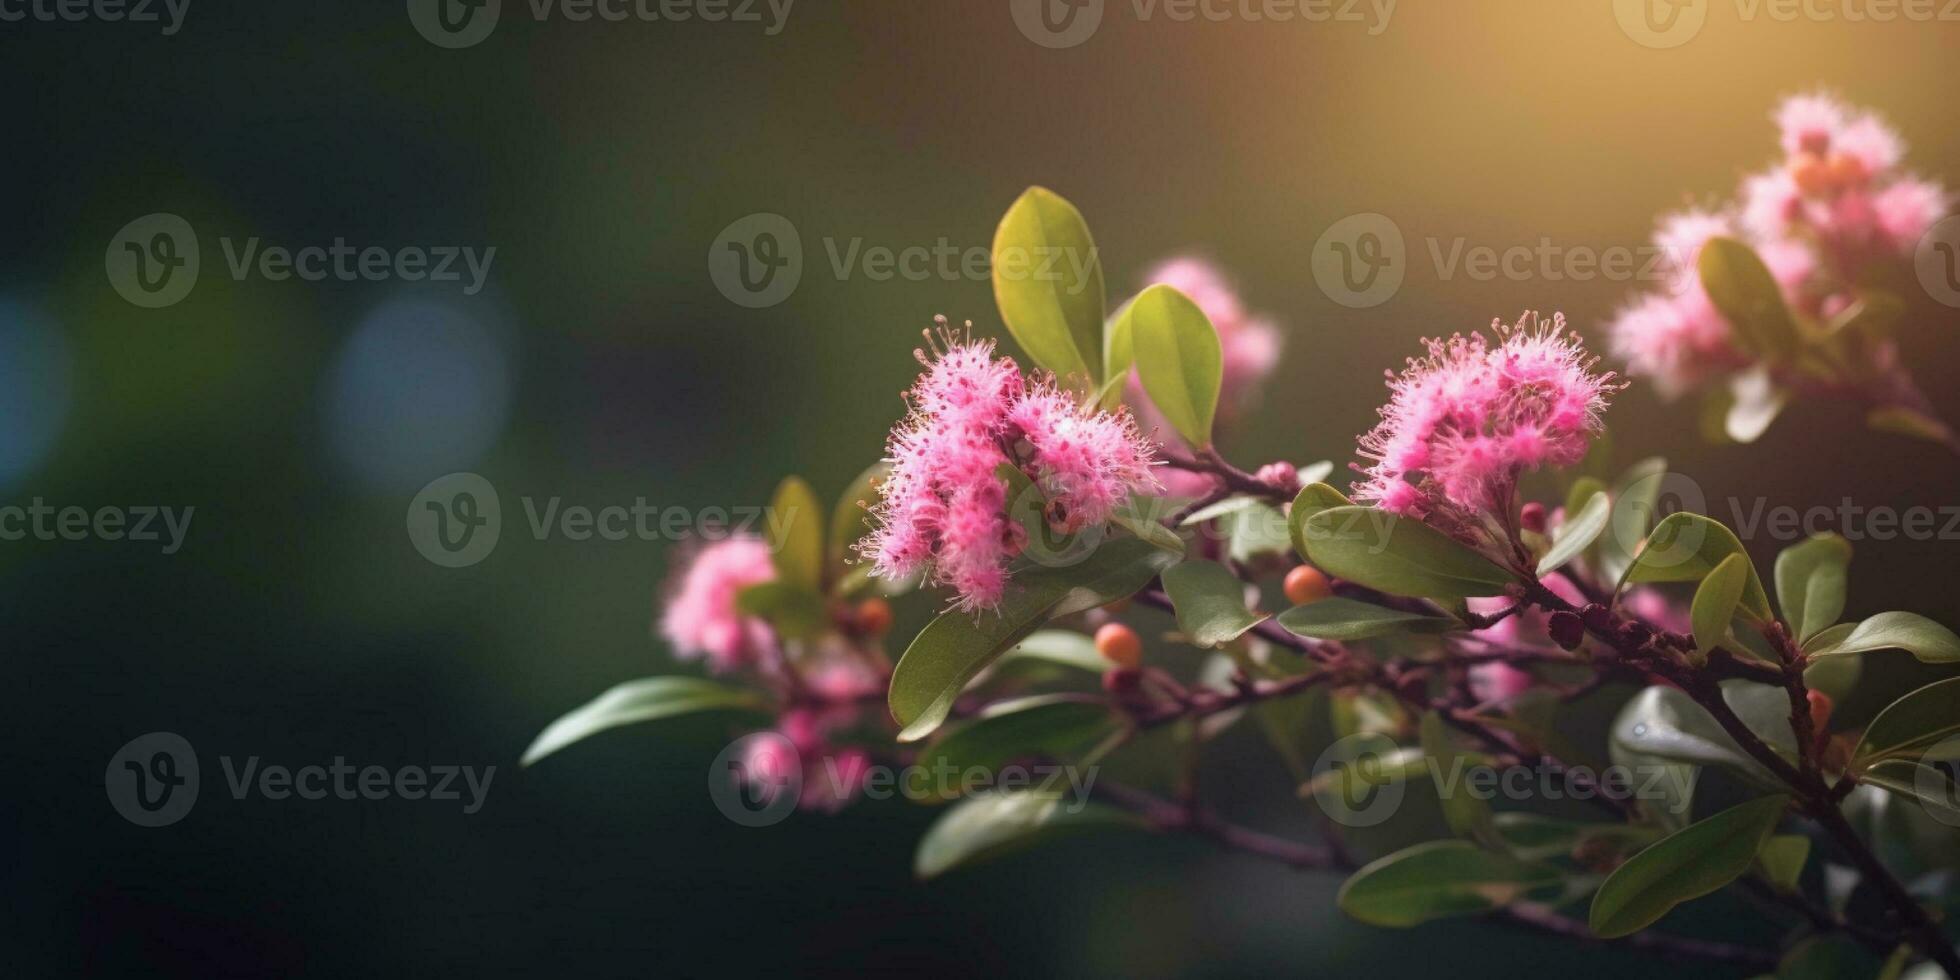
(1836, 204)
(943, 510)
(701, 619)
(1462, 424)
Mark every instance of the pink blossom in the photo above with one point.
(943, 509)
(1906, 209)
(1249, 347)
(1497, 681)
(1808, 122)
(1676, 340)
(1463, 423)
(701, 619)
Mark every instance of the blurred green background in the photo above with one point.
(601, 364)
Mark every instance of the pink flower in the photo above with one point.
(1676, 340)
(1248, 345)
(1500, 681)
(943, 509)
(700, 618)
(1464, 423)
(1906, 209)
(1808, 122)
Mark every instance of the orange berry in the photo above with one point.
(1847, 171)
(1306, 584)
(1119, 645)
(874, 616)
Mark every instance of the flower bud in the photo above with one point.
(1596, 617)
(1567, 630)
(1120, 645)
(1532, 517)
(1282, 476)
(1306, 584)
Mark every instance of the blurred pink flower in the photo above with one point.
(1463, 423)
(700, 617)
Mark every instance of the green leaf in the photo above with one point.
(1686, 548)
(1928, 641)
(1440, 879)
(992, 824)
(1138, 518)
(1468, 815)
(1065, 647)
(1783, 857)
(1910, 725)
(1178, 358)
(1906, 422)
(795, 611)
(1686, 864)
(1210, 602)
(851, 518)
(1398, 556)
(1931, 786)
(1665, 723)
(647, 699)
(1341, 618)
(1635, 497)
(796, 534)
(1312, 499)
(1048, 283)
(1255, 531)
(1230, 505)
(1810, 583)
(1580, 529)
(956, 646)
(1060, 727)
(1827, 958)
(1716, 600)
(1535, 837)
(1741, 288)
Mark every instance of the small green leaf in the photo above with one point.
(1210, 602)
(1230, 505)
(851, 518)
(1312, 499)
(647, 699)
(1048, 283)
(1256, 531)
(1665, 723)
(1686, 548)
(1783, 857)
(1910, 725)
(1716, 600)
(1059, 727)
(1398, 556)
(1138, 518)
(1810, 583)
(958, 645)
(1440, 879)
(1580, 529)
(1341, 618)
(1928, 641)
(992, 824)
(795, 611)
(1741, 288)
(1635, 496)
(796, 534)
(1178, 358)
(1468, 815)
(1534, 837)
(1065, 647)
(1684, 865)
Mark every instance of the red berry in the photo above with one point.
(1119, 645)
(1306, 584)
